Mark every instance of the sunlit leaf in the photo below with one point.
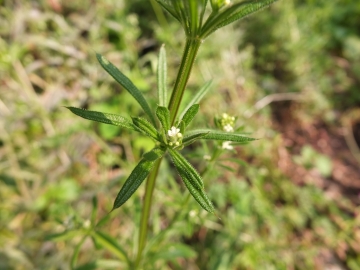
(107, 118)
(190, 114)
(192, 180)
(145, 127)
(163, 115)
(169, 9)
(127, 84)
(232, 13)
(218, 135)
(110, 244)
(75, 255)
(136, 177)
(189, 139)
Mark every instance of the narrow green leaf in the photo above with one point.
(233, 13)
(66, 235)
(94, 210)
(246, 10)
(163, 115)
(204, 4)
(75, 255)
(181, 126)
(190, 114)
(169, 9)
(136, 177)
(127, 84)
(218, 135)
(197, 98)
(172, 251)
(154, 154)
(145, 127)
(107, 118)
(110, 244)
(228, 168)
(192, 180)
(189, 139)
(162, 76)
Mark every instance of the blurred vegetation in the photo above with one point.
(59, 173)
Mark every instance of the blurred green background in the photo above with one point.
(290, 73)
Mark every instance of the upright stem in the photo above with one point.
(191, 48)
(150, 184)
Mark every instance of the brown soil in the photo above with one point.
(330, 141)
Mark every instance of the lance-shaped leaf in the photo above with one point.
(107, 118)
(161, 76)
(233, 13)
(169, 8)
(197, 98)
(244, 11)
(191, 138)
(127, 84)
(163, 115)
(110, 244)
(142, 125)
(217, 135)
(190, 114)
(137, 176)
(192, 180)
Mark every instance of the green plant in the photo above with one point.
(169, 132)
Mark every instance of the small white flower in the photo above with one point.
(227, 146)
(207, 157)
(174, 132)
(228, 128)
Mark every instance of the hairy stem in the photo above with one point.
(150, 184)
(191, 49)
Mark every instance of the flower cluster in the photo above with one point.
(227, 122)
(217, 4)
(174, 137)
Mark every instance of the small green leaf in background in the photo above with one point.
(192, 180)
(110, 244)
(161, 77)
(107, 118)
(190, 114)
(136, 177)
(127, 84)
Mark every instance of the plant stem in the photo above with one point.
(187, 61)
(150, 184)
(191, 49)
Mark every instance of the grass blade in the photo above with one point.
(137, 176)
(192, 180)
(127, 84)
(107, 118)
(161, 76)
